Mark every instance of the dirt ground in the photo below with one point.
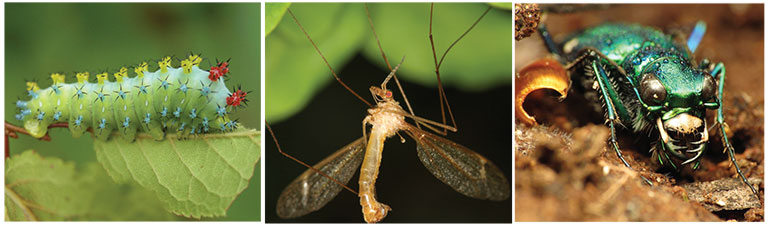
(565, 172)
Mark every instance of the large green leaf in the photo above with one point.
(479, 61)
(274, 15)
(294, 70)
(39, 188)
(110, 201)
(501, 5)
(195, 177)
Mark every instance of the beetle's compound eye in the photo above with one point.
(651, 89)
(708, 88)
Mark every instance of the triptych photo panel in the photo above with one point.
(281, 112)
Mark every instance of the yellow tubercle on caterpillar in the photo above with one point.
(187, 66)
(57, 78)
(82, 77)
(195, 59)
(141, 69)
(32, 86)
(102, 77)
(164, 64)
(121, 74)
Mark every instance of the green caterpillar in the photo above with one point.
(186, 100)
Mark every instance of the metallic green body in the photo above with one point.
(638, 50)
(645, 79)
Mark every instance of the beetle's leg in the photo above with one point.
(550, 42)
(665, 153)
(719, 72)
(609, 94)
(697, 165)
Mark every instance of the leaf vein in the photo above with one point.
(224, 159)
(192, 173)
(154, 171)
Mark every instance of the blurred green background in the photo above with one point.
(313, 116)
(294, 71)
(69, 38)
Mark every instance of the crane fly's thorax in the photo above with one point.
(385, 117)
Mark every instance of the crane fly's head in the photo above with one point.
(381, 94)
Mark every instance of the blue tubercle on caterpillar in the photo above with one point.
(185, 100)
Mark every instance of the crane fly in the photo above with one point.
(457, 166)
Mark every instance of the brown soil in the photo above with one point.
(565, 172)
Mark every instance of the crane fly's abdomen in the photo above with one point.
(373, 211)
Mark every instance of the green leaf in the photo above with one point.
(52, 190)
(293, 67)
(501, 5)
(480, 61)
(41, 189)
(110, 201)
(274, 14)
(194, 176)
(295, 72)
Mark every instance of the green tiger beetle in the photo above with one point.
(645, 79)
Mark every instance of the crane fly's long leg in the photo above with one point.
(326, 61)
(441, 91)
(274, 138)
(425, 122)
(466, 171)
(320, 183)
(719, 72)
(389, 66)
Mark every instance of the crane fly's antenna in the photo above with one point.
(274, 138)
(441, 91)
(392, 74)
(326, 61)
(389, 66)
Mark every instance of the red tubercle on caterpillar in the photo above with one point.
(218, 71)
(237, 98)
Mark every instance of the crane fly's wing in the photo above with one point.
(311, 190)
(464, 170)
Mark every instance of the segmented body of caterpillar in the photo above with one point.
(186, 100)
